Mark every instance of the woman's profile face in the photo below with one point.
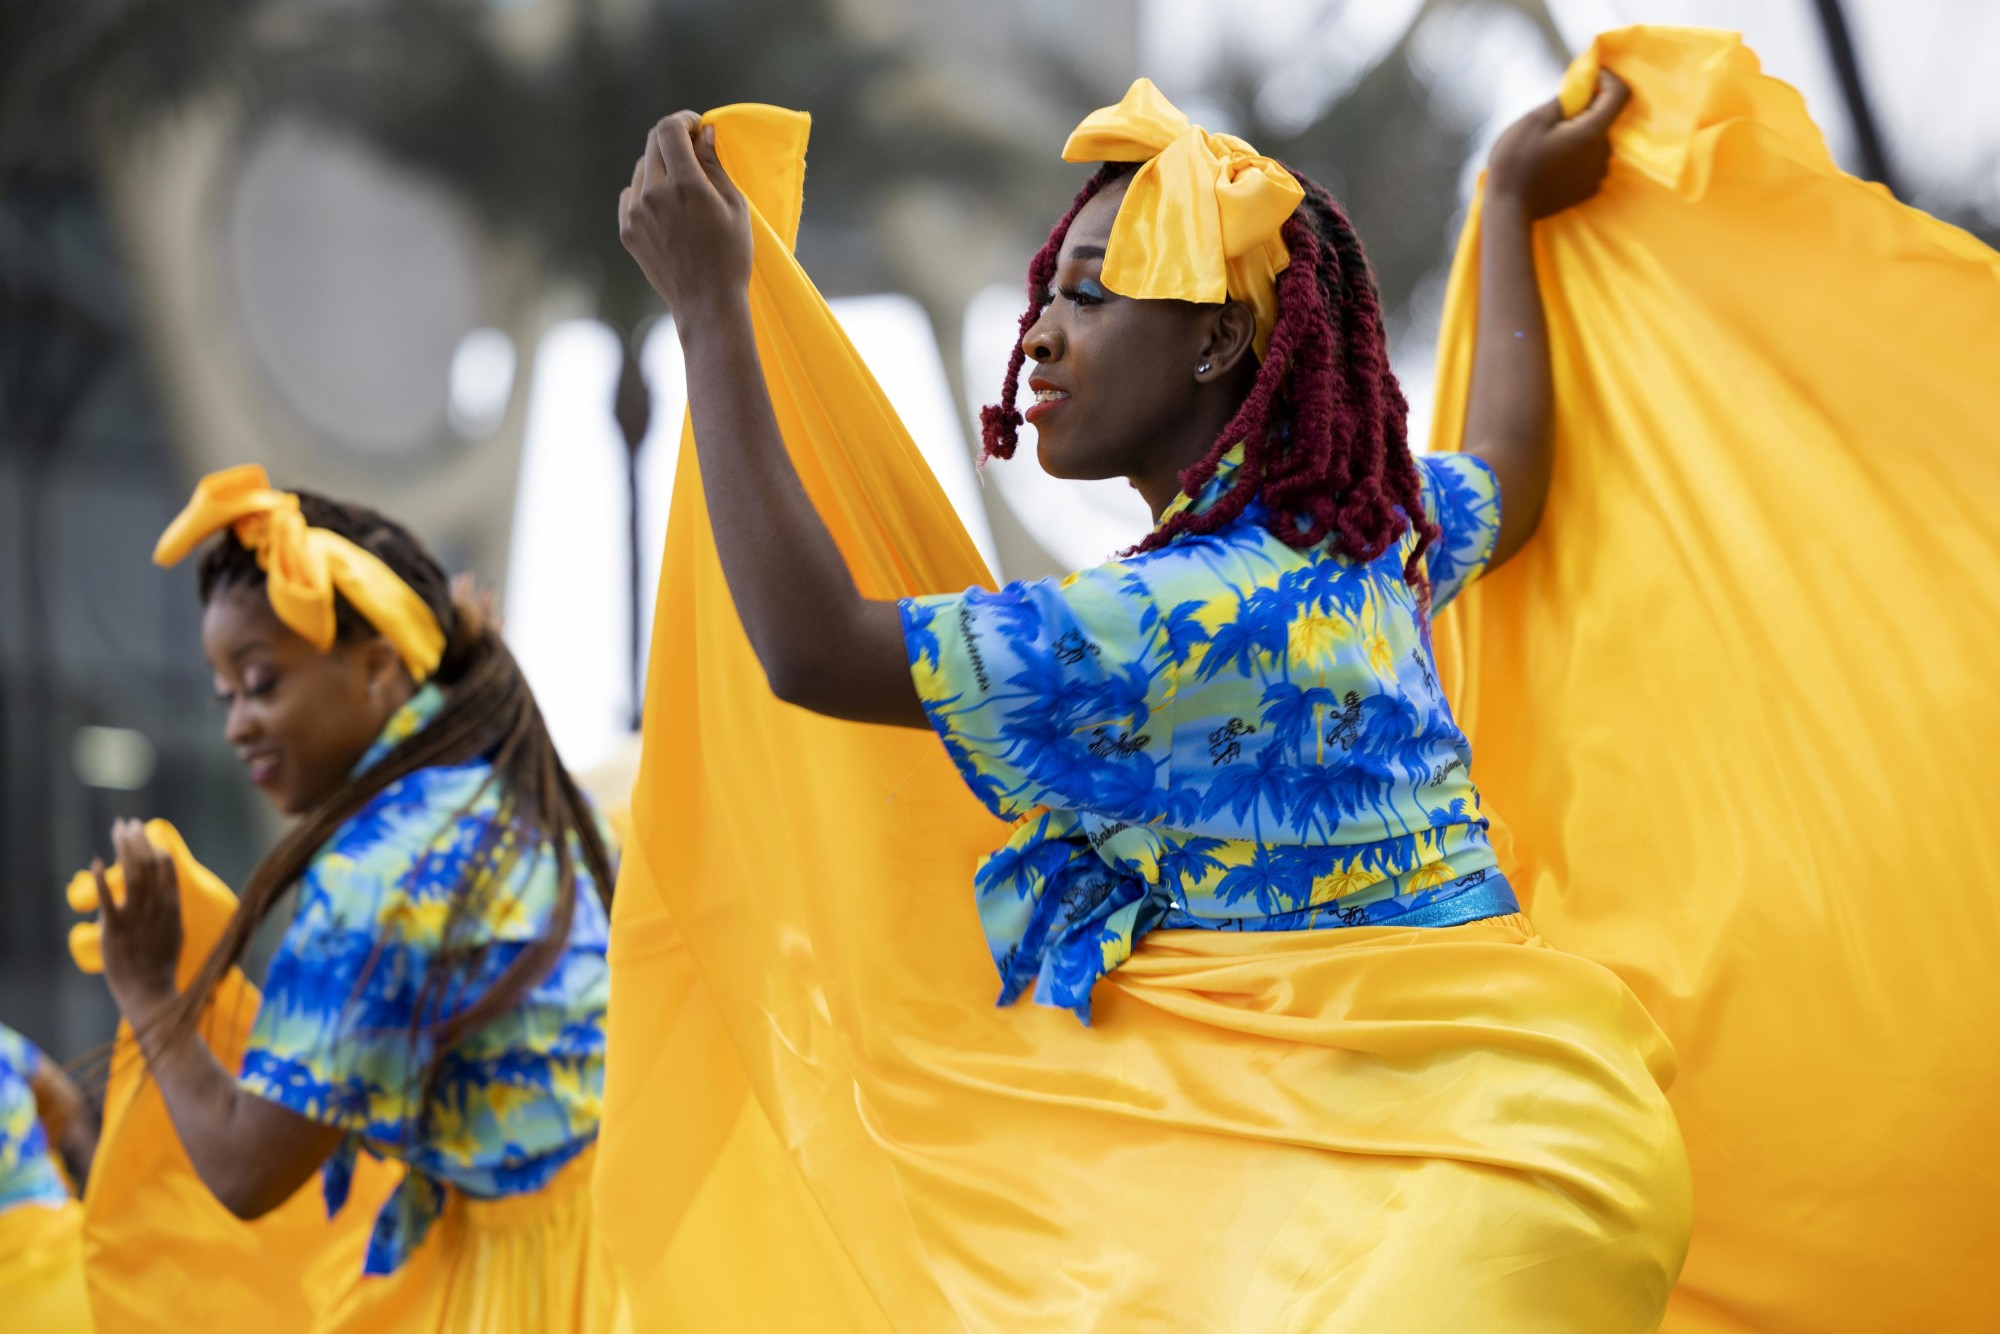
(298, 719)
(1114, 377)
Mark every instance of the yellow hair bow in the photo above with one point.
(303, 565)
(1201, 218)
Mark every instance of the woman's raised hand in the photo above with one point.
(1547, 163)
(142, 935)
(685, 222)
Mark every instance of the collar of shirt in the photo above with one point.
(1184, 503)
(403, 724)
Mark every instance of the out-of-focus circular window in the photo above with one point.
(356, 285)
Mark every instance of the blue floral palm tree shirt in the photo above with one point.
(1223, 733)
(513, 1101)
(27, 1173)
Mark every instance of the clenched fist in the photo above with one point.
(1549, 164)
(685, 222)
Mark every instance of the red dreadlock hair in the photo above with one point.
(1323, 428)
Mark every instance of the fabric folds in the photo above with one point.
(41, 1270)
(521, 1264)
(1734, 697)
(1263, 1132)
(160, 1252)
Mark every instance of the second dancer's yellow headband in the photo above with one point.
(1201, 218)
(304, 566)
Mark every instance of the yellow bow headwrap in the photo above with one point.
(303, 565)
(1200, 218)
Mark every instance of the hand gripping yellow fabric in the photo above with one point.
(304, 566)
(1735, 697)
(817, 1119)
(1201, 216)
(160, 1253)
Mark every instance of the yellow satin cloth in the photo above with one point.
(160, 1253)
(304, 566)
(505, 1266)
(41, 1271)
(1735, 697)
(816, 1118)
(1200, 218)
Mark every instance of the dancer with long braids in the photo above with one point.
(438, 998)
(1246, 845)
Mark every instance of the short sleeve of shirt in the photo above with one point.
(352, 980)
(332, 1038)
(1045, 693)
(1462, 497)
(347, 987)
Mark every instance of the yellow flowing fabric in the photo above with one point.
(41, 1270)
(1338, 1130)
(160, 1253)
(1735, 697)
(500, 1266)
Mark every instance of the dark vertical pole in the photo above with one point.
(635, 609)
(633, 408)
(1867, 135)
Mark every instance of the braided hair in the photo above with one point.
(1323, 427)
(489, 713)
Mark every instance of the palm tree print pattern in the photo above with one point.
(513, 1102)
(27, 1172)
(1226, 733)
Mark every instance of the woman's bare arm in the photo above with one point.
(823, 646)
(251, 1153)
(1541, 165)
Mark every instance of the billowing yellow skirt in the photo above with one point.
(523, 1264)
(1367, 1129)
(41, 1271)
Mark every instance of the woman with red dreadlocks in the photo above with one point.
(1238, 725)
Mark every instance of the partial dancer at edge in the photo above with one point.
(45, 1128)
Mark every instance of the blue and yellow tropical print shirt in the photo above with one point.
(514, 1101)
(1226, 733)
(27, 1173)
